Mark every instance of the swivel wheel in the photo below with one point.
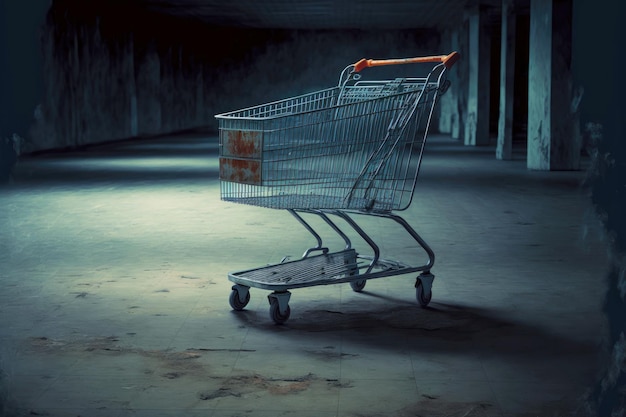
(423, 298)
(236, 302)
(276, 315)
(357, 286)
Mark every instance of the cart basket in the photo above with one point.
(357, 146)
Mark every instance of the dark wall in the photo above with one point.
(113, 71)
(21, 82)
(598, 67)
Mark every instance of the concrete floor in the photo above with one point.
(114, 296)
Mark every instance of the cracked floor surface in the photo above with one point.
(115, 294)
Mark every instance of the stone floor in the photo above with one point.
(114, 296)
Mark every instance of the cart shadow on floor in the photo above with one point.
(440, 328)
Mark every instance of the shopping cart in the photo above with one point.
(335, 153)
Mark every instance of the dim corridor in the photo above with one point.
(114, 301)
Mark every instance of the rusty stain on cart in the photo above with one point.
(242, 143)
(241, 156)
(243, 171)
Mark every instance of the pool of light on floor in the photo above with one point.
(134, 163)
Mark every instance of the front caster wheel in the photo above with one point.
(235, 301)
(275, 313)
(357, 286)
(422, 298)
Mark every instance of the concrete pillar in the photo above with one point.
(445, 102)
(479, 56)
(552, 141)
(450, 115)
(461, 79)
(507, 78)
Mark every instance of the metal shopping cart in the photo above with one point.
(336, 153)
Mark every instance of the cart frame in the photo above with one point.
(318, 265)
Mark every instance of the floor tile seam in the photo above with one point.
(170, 345)
(415, 379)
(490, 384)
(47, 389)
(239, 350)
(276, 411)
(128, 411)
(449, 379)
(342, 336)
(402, 380)
(339, 390)
(134, 301)
(62, 374)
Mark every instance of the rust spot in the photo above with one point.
(244, 171)
(239, 143)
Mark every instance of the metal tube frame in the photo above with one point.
(388, 267)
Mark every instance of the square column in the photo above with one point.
(553, 143)
(479, 55)
(507, 80)
(450, 112)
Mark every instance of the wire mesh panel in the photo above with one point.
(357, 147)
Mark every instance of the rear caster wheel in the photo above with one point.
(276, 315)
(422, 298)
(357, 286)
(235, 301)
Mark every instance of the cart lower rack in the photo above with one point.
(354, 149)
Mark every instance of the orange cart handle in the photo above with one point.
(447, 60)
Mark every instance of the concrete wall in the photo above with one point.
(598, 67)
(21, 81)
(87, 69)
(296, 62)
(108, 78)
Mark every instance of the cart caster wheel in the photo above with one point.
(357, 286)
(275, 312)
(421, 296)
(236, 303)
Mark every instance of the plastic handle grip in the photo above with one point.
(447, 60)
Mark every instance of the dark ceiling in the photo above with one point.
(318, 14)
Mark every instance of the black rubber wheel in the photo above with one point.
(236, 303)
(357, 286)
(275, 312)
(420, 294)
